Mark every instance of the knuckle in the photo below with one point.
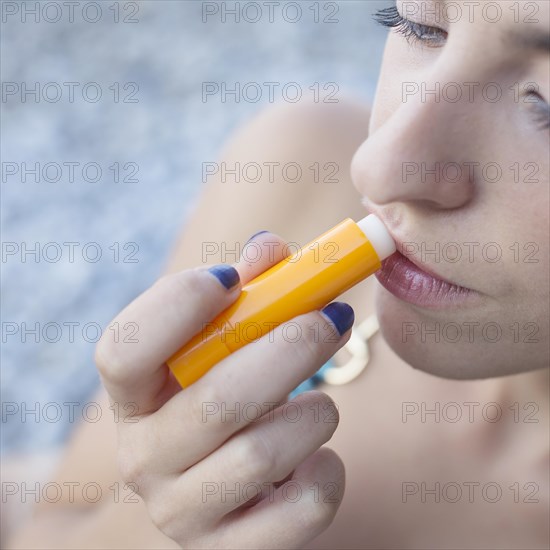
(133, 468)
(311, 339)
(203, 400)
(303, 348)
(178, 287)
(190, 290)
(163, 516)
(109, 359)
(253, 460)
(178, 516)
(171, 514)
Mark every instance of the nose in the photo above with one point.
(424, 153)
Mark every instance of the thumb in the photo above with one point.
(262, 251)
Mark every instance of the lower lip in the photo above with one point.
(409, 283)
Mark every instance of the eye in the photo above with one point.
(432, 37)
(539, 108)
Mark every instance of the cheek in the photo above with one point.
(387, 99)
(516, 217)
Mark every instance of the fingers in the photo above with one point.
(294, 513)
(260, 455)
(262, 251)
(228, 427)
(249, 464)
(163, 318)
(248, 384)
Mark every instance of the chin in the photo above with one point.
(401, 322)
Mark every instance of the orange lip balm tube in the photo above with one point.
(305, 281)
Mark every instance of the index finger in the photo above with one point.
(164, 318)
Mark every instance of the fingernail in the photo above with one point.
(255, 235)
(226, 274)
(341, 315)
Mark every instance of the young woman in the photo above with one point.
(456, 166)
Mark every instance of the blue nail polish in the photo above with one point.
(341, 315)
(255, 235)
(226, 274)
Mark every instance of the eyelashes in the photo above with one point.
(413, 32)
(537, 106)
(434, 37)
(541, 111)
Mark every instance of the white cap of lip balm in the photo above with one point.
(378, 235)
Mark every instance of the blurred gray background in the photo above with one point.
(166, 133)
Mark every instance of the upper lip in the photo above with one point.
(390, 221)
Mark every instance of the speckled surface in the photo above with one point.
(169, 52)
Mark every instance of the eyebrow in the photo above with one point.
(534, 41)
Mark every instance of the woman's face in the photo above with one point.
(457, 166)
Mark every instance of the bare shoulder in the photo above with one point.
(287, 169)
(283, 125)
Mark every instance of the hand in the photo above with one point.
(227, 462)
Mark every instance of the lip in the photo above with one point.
(414, 282)
(408, 282)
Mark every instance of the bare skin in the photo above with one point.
(376, 464)
(265, 137)
(393, 459)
